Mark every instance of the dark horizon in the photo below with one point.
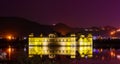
(25, 19)
(77, 13)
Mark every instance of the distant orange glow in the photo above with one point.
(9, 37)
(118, 30)
(101, 50)
(113, 32)
(112, 53)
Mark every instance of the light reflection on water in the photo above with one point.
(100, 56)
(106, 54)
(96, 52)
(83, 51)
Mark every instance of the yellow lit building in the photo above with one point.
(54, 45)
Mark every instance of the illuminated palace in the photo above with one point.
(52, 45)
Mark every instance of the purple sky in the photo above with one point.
(75, 13)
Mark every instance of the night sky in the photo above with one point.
(75, 13)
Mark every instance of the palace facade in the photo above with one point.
(53, 45)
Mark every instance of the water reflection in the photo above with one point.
(107, 56)
(83, 51)
(118, 57)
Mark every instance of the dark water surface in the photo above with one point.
(100, 56)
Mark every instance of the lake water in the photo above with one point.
(100, 56)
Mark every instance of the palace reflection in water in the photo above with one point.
(54, 45)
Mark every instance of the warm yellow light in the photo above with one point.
(72, 56)
(40, 46)
(85, 48)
